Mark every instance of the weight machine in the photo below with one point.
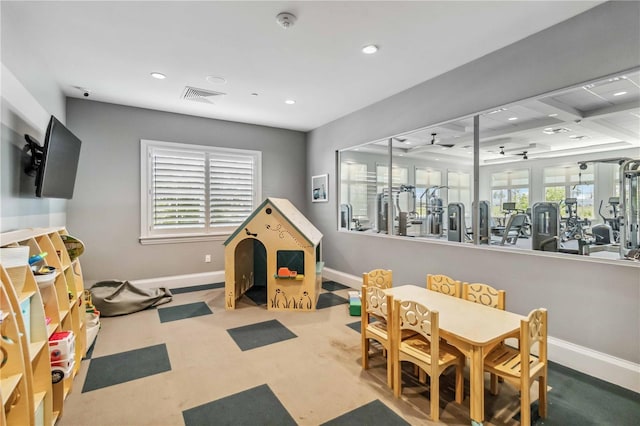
(403, 202)
(432, 225)
(630, 209)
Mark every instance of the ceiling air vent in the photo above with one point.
(201, 95)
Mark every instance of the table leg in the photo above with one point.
(476, 373)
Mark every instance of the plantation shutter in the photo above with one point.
(232, 191)
(178, 189)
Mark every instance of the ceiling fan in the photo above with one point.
(436, 142)
(523, 154)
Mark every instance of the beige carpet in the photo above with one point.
(316, 375)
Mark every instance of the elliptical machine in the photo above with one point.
(609, 231)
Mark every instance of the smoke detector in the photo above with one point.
(286, 20)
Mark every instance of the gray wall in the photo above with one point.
(591, 303)
(23, 113)
(29, 96)
(105, 210)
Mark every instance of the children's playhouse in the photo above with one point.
(276, 245)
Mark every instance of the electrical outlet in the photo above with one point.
(207, 258)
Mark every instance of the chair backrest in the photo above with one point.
(533, 330)
(381, 278)
(444, 284)
(409, 315)
(374, 302)
(484, 294)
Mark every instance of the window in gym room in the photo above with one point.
(562, 183)
(400, 176)
(357, 188)
(425, 178)
(509, 187)
(459, 184)
(194, 191)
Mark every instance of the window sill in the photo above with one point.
(178, 239)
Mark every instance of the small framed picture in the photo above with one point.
(320, 188)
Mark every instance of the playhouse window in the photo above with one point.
(194, 191)
(293, 260)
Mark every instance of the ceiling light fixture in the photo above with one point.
(553, 115)
(158, 75)
(289, 102)
(216, 80)
(619, 93)
(254, 94)
(370, 49)
(512, 118)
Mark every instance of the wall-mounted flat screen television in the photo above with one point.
(56, 163)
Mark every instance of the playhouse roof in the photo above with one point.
(291, 213)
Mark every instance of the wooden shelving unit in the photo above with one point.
(30, 315)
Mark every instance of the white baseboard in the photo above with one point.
(593, 363)
(597, 364)
(342, 278)
(179, 281)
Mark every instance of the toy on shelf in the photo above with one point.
(74, 246)
(62, 347)
(37, 257)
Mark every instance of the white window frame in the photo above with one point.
(208, 233)
(510, 187)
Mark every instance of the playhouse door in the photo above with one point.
(252, 255)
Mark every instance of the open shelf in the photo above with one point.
(8, 385)
(28, 395)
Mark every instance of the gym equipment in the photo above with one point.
(629, 207)
(512, 230)
(382, 211)
(406, 207)
(346, 216)
(572, 227)
(403, 208)
(545, 218)
(432, 226)
(455, 222)
(483, 207)
(609, 231)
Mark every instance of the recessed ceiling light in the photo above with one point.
(370, 49)
(553, 115)
(619, 93)
(512, 118)
(158, 75)
(216, 80)
(495, 111)
(289, 102)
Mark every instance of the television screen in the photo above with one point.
(508, 206)
(56, 175)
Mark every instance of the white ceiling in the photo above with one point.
(110, 48)
(601, 116)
